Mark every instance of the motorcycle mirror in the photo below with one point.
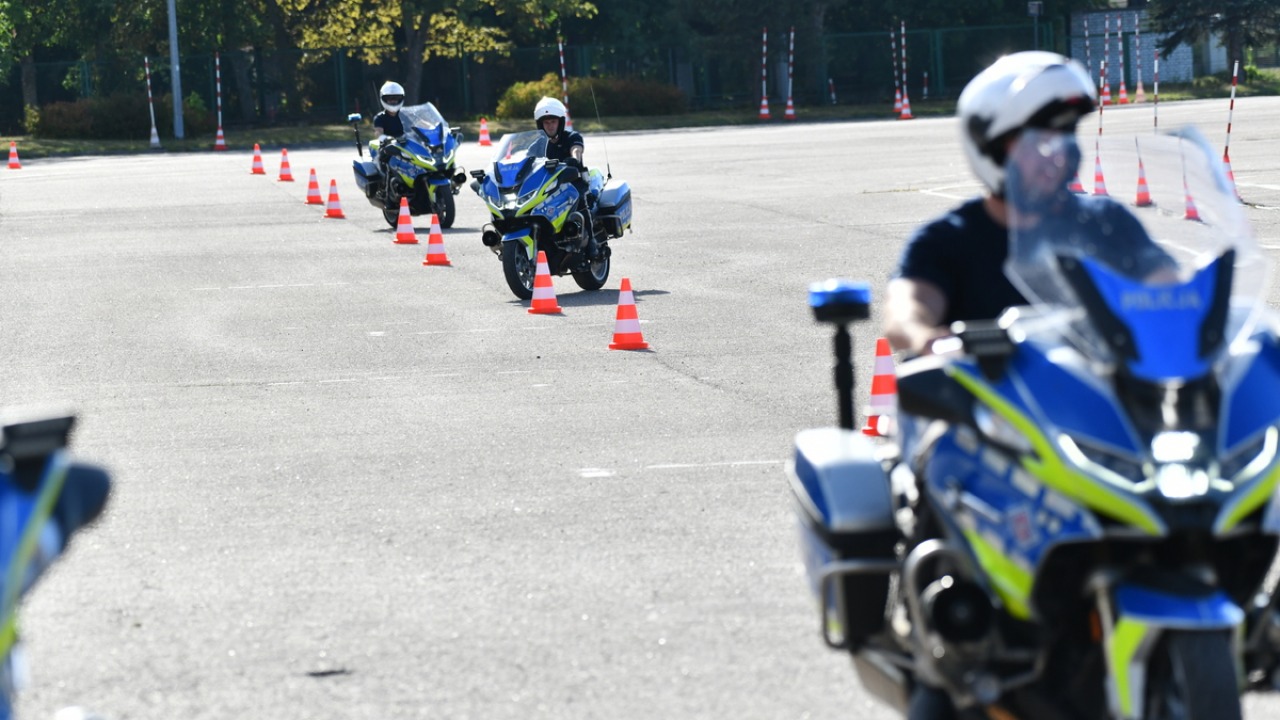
(354, 118)
(477, 174)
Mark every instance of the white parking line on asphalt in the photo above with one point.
(731, 463)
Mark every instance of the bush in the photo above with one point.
(612, 97)
(115, 117)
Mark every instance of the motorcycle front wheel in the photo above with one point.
(391, 214)
(1192, 677)
(519, 269)
(445, 207)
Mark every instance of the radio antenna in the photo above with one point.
(608, 171)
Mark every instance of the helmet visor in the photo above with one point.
(393, 99)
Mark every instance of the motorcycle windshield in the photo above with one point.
(515, 147)
(426, 122)
(1158, 288)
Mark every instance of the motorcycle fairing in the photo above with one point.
(1010, 519)
(1167, 325)
(1140, 614)
(1251, 402)
(523, 235)
(28, 538)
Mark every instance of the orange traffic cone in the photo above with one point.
(790, 112)
(626, 328)
(484, 133)
(257, 161)
(544, 293)
(334, 209)
(764, 108)
(313, 190)
(1075, 185)
(1124, 96)
(1144, 192)
(884, 392)
(1099, 183)
(286, 173)
(14, 164)
(1226, 160)
(405, 234)
(897, 101)
(1140, 95)
(220, 140)
(1106, 92)
(906, 107)
(1192, 213)
(435, 246)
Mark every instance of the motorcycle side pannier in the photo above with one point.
(614, 207)
(365, 173)
(845, 509)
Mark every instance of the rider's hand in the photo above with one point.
(573, 162)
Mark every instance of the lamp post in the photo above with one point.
(175, 78)
(1035, 9)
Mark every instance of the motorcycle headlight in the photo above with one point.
(1179, 481)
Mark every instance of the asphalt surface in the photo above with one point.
(351, 486)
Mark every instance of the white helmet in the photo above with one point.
(1032, 89)
(392, 96)
(549, 106)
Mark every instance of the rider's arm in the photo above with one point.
(913, 314)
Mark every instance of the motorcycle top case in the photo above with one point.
(615, 199)
(845, 506)
(365, 172)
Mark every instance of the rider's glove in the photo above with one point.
(574, 163)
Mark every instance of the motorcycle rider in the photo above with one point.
(952, 267)
(387, 124)
(551, 116)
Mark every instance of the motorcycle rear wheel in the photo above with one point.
(596, 276)
(518, 268)
(1192, 677)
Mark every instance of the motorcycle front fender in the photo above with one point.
(1139, 615)
(523, 235)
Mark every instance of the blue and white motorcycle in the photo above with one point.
(422, 166)
(45, 498)
(1081, 515)
(533, 205)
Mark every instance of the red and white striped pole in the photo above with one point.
(564, 88)
(764, 74)
(1155, 95)
(790, 112)
(926, 85)
(897, 84)
(1139, 95)
(1226, 156)
(1099, 183)
(155, 137)
(1124, 95)
(1088, 60)
(219, 142)
(906, 100)
(1106, 59)
(831, 88)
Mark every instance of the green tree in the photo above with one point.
(413, 31)
(1241, 23)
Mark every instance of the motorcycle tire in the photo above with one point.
(1192, 676)
(445, 207)
(596, 276)
(518, 268)
(391, 215)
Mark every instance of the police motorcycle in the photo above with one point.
(45, 497)
(533, 202)
(1079, 515)
(421, 166)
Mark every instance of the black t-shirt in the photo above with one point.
(390, 124)
(559, 149)
(963, 253)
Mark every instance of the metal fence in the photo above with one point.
(268, 87)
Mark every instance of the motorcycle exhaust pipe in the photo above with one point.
(957, 609)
